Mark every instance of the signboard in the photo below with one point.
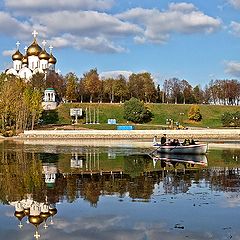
(76, 112)
(125, 127)
(112, 121)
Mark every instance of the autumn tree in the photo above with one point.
(92, 83)
(71, 87)
(109, 88)
(194, 113)
(186, 90)
(121, 90)
(20, 104)
(57, 82)
(142, 86)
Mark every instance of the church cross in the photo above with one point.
(44, 43)
(18, 44)
(34, 33)
(51, 48)
(37, 235)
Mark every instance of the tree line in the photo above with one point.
(90, 88)
(20, 101)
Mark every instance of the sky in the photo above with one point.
(195, 40)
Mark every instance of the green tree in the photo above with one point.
(135, 111)
(194, 113)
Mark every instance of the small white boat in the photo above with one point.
(181, 149)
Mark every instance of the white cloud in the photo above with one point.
(97, 44)
(183, 7)
(115, 74)
(7, 53)
(10, 26)
(235, 3)
(85, 23)
(235, 28)
(66, 23)
(26, 6)
(181, 18)
(233, 68)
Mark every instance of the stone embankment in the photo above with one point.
(221, 134)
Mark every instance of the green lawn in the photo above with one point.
(179, 112)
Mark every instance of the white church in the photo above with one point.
(35, 60)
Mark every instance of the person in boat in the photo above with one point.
(155, 140)
(192, 142)
(168, 142)
(163, 139)
(186, 142)
(174, 142)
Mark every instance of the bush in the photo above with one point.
(49, 117)
(231, 119)
(136, 112)
(194, 113)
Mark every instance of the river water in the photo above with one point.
(117, 192)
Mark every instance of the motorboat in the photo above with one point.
(181, 149)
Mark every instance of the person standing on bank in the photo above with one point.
(163, 139)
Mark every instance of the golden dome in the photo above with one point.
(44, 55)
(19, 215)
(35, 220)
(34, 49)
(27, 211)
(53, 211)
(25, 60)
(17, 56)
(52, 59)
(45, 215)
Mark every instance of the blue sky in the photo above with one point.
(196, 40)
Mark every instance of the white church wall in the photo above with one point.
(25, 73)
(33, 62)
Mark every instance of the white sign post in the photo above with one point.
(76, 112)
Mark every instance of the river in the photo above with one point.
(116, 191)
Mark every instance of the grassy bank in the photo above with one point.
(179, 112)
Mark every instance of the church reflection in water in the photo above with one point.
(33, 182)
(35, 212)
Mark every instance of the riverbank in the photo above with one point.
(200, 134)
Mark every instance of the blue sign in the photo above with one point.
(125, 127)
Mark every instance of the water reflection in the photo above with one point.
(33, 181)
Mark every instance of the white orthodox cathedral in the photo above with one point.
(35, 60)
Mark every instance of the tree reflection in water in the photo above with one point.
(33, 182)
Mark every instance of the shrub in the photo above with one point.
(194, 113)
(136, 112)
(231, 119)
(49, 117)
